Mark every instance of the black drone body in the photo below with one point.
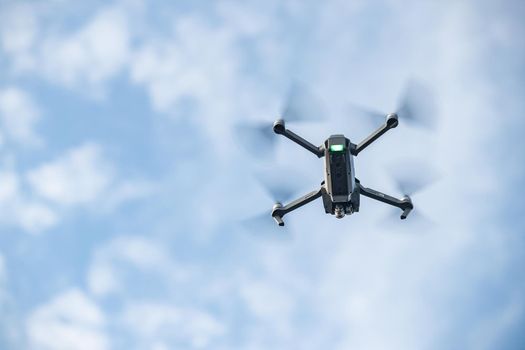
(340, 190)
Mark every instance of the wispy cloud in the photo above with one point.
(71, 320)
(89, 56)
(79, 176)
(19, 116)
(109, 272)
(160, 324)
(21, 210)
(83, 58)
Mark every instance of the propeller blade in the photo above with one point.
(361, 111)
(281, 184)
(263, 225)
(279, 192)
(418, 105)
(302, 104)
(410, 186)
(416, 219)
(413, 176)
(256, 138)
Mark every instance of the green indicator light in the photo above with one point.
(337, 148)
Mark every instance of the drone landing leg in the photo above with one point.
(390, 123)
(280, 129)
(404, 204)
(279, 211)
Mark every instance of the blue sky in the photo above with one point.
(123, 183)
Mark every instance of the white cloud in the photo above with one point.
(84, 57)
(179, 326)
(139, 252)
(123, 260)
(106, 275)
(84, 176)
(246, 20)
(80, 176)
(198, 62)
(267, 300)
(18, 32)
(35, 217)
(20, 210)
(89, 56)
(128, 190)
(18, 29)
(218, 71)
(103, 279)
(71, 320)
(135, 269)
(9, 184)
(18, 116)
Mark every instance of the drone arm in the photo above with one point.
(279, 128)
(390, 123)
(279, 211)
(404, 204)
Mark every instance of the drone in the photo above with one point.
(340, 190)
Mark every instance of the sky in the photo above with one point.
(125, 188)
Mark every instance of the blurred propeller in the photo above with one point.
(413, 176)
(264, 226)
(282, 185)
(368, 113)
(300, 105)
(416, 219)
(417, 107)
(257, 139)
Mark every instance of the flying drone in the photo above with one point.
(341, 190)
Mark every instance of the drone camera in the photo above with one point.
(339, 211)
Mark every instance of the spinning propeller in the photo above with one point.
(280, 185)
(416, 106)
(412, 177)
(301, 105)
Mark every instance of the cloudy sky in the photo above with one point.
(124, 189)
